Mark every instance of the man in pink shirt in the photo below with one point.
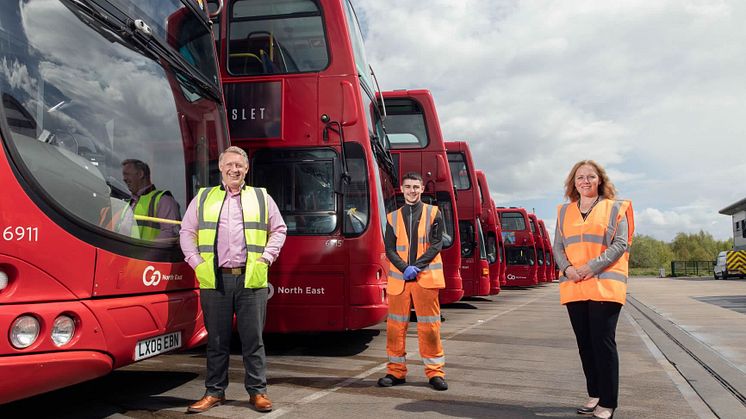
(230, 235)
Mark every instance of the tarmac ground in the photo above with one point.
(682, 346)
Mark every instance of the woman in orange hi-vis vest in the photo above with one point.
(414, 238)
(591, 245)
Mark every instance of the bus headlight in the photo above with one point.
(24, 331)
(63, 330)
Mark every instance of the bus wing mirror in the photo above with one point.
(441, 170)
(349, 108)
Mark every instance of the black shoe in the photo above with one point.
(586, 410)
(439, 383)
(389, 380)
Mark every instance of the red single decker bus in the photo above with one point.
(417, 145)
(302, 102)
(89, 280)
(488, 219)
(520, 252)
(475, 271)
(551, 273)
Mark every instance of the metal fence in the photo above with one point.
(691, 268)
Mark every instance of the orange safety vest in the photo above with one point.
(432, 275)
(587, 239)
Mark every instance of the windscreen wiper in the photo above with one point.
(117, 26)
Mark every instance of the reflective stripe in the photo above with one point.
(399, 318)
(427, 222)
(206, 248)
(563, 210)
(616, 276)
(612, 226)
(433, 266)
(397, 275)
(202, 199)
(398, 359)
(254, 248)
(593, 238)
(210, 225)
(401, 248)
(395, 221)
(428, 319)
(570, 240)
(253, 225)
(438, 360)
(262, 208)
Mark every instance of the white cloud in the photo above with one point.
(653, 91)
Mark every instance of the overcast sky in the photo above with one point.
(655, 91)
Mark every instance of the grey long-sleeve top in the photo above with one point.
(617, 248)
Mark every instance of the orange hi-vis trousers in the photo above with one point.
(427, 308)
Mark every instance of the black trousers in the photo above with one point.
(250, 307)
(594, 323)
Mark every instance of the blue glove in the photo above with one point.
(410, 274)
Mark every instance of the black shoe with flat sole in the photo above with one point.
(586, 410)
(389, 381)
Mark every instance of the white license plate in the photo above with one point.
(157, 345)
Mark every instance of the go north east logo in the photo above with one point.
(152, 277)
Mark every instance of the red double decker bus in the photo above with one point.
(86, 86)
(551, 272)
(541, 274)
(475, 271)
(417, 145)
(302, 102)
(520, 252)
(488, 219)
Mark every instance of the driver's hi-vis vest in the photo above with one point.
(255, 221)
(147, 205)
(587, 239)
(432, 275)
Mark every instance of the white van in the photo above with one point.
(730, 263)
(719, 270)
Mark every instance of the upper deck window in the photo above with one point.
(358, 47)
(405, 124)
(459, 171)
(276, 37)
(512, 221)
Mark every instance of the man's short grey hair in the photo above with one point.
(140, 165)
(237, 150)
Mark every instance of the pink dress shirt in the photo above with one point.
(231, 250)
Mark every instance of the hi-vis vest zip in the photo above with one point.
(587, 239)
(255, 220)
(432, 275)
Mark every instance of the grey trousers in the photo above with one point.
(250, 307)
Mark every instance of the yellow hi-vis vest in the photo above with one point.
(147, 205)
(255, 220)
(587, 239)
(432, 275)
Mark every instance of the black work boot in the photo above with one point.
(389, 380)
(439, 383)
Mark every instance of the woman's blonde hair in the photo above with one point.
(606, 189)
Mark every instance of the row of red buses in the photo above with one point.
(520, 250)
(302, 101)
(492, 235)
(538, 248)
(85, 86)
(475, 272)
(417, 145)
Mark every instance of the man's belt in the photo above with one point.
(233, 271)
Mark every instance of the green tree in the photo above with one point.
(698, 246)
(647, 252)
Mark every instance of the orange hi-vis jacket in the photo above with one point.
(432, 275)
(584, 240)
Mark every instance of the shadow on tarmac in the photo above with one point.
(104, 396)
(474, 409)
(331, 344)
